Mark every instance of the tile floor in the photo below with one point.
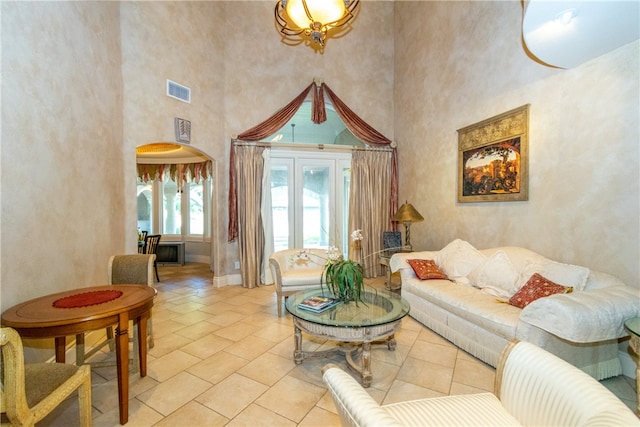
(223, 357)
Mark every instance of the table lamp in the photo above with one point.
(407, 214)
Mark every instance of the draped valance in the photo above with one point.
(352, 121)
(180, 173)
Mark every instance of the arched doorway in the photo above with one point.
(175, 197)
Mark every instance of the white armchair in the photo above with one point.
(292, 273)
(533, 387)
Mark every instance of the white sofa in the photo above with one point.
(532, 387)
(295, 270)
(471, 309)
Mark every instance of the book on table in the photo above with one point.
(318, 303)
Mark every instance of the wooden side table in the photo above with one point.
(633, 326)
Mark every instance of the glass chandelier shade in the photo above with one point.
(313, 21)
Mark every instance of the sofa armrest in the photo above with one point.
(355, 406)
(539, 388)
(399, 260)
(587, 316)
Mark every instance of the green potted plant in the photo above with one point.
(344, 278)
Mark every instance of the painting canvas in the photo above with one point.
(493, 169)
(493, 157)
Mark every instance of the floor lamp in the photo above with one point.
(407, 214)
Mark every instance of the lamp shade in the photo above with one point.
(407, 213)
(323, 11)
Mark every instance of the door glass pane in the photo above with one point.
(145, 205)
(171, 208)
(346, 233)
(315, 207)
(196, 206)
(280, 206)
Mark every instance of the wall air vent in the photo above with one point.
(178, 91)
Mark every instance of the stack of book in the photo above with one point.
(317, 303)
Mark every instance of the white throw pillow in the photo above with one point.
(562, 274)
(458, 259)
(496, 276)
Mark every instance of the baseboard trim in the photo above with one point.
(201, 259)
(229, 280)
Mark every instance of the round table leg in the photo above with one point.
(298, 355)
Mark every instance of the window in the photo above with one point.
(177, 215)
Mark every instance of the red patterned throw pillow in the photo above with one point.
(426, 269)
(537, 287)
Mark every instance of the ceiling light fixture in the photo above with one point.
(313, 21)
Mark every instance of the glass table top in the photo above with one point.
(633, 325)
(378, 307)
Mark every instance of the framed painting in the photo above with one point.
(493, 158)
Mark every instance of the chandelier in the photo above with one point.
(313, 20)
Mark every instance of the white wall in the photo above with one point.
(458, 63)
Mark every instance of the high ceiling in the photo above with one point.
(567, 33)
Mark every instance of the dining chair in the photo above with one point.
(136, 269)
(142, 235)
(151, 247)
(31, 391)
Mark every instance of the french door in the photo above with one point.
(310, 199)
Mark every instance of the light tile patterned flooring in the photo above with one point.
(223, 357)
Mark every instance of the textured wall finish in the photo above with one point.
(458, 63)
(77, 99)
(62, 174)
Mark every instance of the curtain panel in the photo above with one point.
(352, 121)
(251, 241)
(369, 197)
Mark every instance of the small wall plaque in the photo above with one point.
(183, 130)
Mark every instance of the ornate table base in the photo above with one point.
(362, 337)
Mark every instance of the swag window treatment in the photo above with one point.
(352, 121)
(246, 174)
(180, 173)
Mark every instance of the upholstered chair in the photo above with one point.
(30, 392)
(532, 388)
(136, 269)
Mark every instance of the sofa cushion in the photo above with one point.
(426, 269)
(458, 259)
(562, 274)
(468, 303)
(496, 276)
(479, 409)
(537, 287)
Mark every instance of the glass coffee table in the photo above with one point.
(377, 318)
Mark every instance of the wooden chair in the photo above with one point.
(30, 392)
(151, 247)
(134, 269)
(141, 238)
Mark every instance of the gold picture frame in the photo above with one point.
(493, 158)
